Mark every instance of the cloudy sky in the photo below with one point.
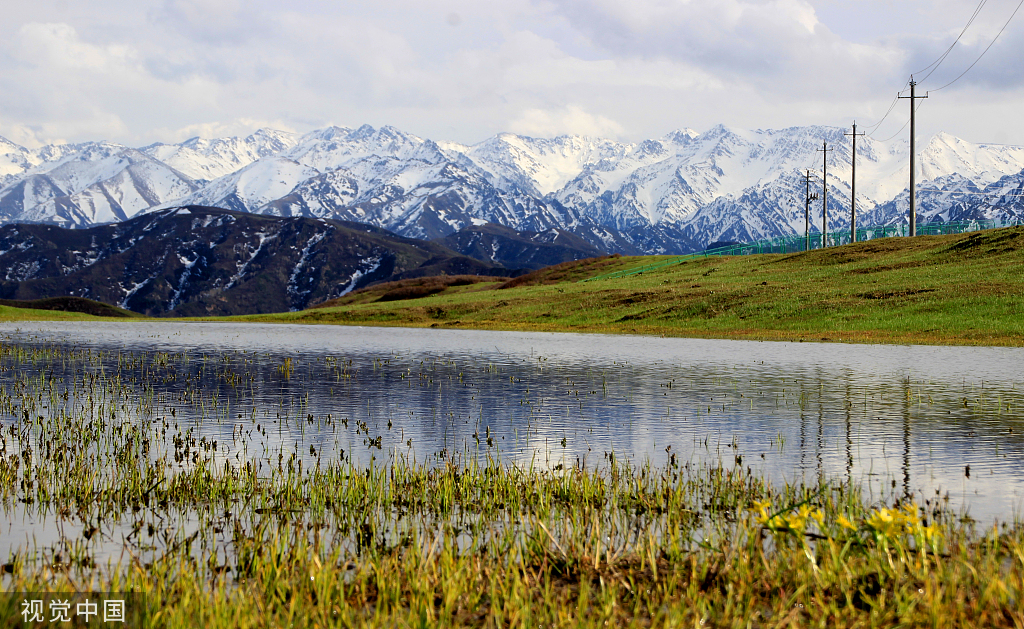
(140, 71)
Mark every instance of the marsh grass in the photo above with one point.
(140, 504)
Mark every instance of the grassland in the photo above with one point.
(961, 289)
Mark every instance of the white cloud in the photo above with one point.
(217, 22)
(222, 129)
(571, 119)
(775, 44)
(26, 136)
(57, 47)
(158, 70)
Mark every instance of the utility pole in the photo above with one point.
(808, 197)
(913, 150)
(853, 184)
(824, 193)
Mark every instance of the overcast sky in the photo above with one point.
(141, 71)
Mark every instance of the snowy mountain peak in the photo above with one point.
(14, 160)
(207, 159)
(362, 133)
(269, 141)
(670, 194)
(946, 154)
(680, 136)
(6, 146)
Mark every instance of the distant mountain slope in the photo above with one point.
(204, 160)
(88, 184)
(672, 194)
(522, 250)
(206, 261)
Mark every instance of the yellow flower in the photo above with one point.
(762, 510)
(932, 533)
(843, 522)
(911, 517)
(884, 522)
(797, 521)
(818, 516)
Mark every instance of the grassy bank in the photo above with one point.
(961, 289)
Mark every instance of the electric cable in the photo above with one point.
(934, 65)
(889, 111)
(982, 52)
(897, 133)
(894, 101)
(903, 127)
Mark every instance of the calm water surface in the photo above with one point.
(908, 419)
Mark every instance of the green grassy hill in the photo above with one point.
(959, 289)
(61, 308)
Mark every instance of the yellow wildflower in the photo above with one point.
(797, 521)
(818, 516)
(932, 533)
(762, 510)
(911, 517)
(884, 522)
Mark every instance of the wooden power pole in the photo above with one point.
(913, 151)
(808, 197)
(824, 193)
(853, 184)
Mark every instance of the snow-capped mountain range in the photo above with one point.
(673, 194)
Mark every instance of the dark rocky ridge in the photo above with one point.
(202, 261)
(519, 249)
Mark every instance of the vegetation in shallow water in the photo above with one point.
(140, 503)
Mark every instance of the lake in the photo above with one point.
(928, 421)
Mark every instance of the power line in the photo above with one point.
(982, 52)
(853, 183)
(934, 65)
(891, 107)
(872, 129)
(901, 128)
(912, 213)
(808, 197)
(825, 150)
(897, 133)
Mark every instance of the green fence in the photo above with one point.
(796, 244)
